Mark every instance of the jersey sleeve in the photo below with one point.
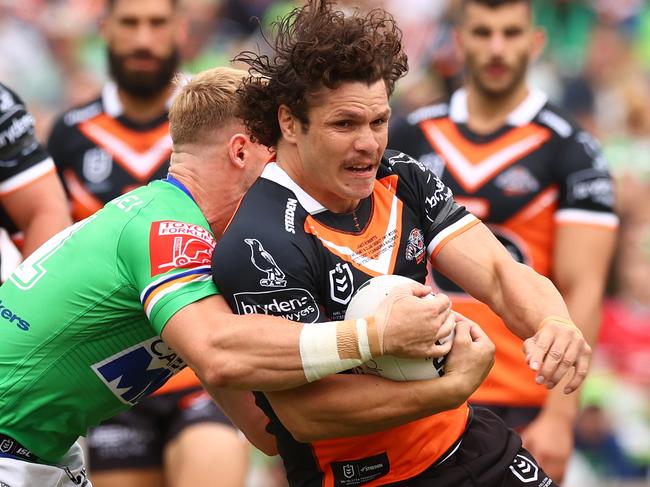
(262, 268)
(22, 158)
(586, 189)
(443, 219)
(168, 263)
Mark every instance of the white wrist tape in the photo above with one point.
(321, 352)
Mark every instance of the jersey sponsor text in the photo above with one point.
(179, 245)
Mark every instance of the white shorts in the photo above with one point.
(69, 473)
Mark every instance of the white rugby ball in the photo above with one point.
(364, 303)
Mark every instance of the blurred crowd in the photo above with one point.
(596, 66)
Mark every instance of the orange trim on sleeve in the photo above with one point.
(451, 236)
(28, 183)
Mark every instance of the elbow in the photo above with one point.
(221, 372)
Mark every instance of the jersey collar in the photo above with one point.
(522, 115)
(275, 173)
(175, 182)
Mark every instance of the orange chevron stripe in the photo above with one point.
(473, 164)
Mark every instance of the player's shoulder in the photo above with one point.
(558, 120)
(433, 111)
(9, 100)
(155, 202)
(275, 204)
(15, 120)
(80, 113)
(401, 164)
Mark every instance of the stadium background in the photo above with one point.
(596, 65)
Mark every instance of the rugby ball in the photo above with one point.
(364, 303)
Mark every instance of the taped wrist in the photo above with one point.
(559, 319)
(326, 350)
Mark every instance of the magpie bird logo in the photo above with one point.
(266, 263)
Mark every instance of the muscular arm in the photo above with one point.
(254, 352)
(477, 262)
(330, 408)
(580, 263)
(39, 209)
(529, 304)
(262, 352)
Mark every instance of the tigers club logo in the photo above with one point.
(415, 246)
(174, 245)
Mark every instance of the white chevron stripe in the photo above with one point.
(472, 175)
(140, 163)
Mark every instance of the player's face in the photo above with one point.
(341, 147)
(142, 38)
(497, 44)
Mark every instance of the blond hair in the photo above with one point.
(206, 101)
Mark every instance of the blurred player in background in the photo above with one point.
(102, 149)
(32, 198)
(540, 183)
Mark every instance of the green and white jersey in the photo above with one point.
(80, 319)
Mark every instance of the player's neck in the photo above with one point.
(144, 110)
(488, 113)
(201, 180)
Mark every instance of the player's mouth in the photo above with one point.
(361, 169)
(496, 70)
(142, 63)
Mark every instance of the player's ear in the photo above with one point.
(539, 43)
(289, 124)
(238, 150)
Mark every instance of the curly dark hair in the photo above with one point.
(316, 46)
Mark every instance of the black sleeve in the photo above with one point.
(582, 175)
(19, 148)
(422, 189)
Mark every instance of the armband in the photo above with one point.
(326, 350)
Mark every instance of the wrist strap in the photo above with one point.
(328, 348)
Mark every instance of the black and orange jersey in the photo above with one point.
(101, 154)
(538, 171)
(23, 160)
(285, 254)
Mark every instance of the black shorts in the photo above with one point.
(137, 437)
(515, 417)
(489, 455)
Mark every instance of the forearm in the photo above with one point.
(256, 352)
(330, 408)
(262, 352)
(523, 298)
(584, 303)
